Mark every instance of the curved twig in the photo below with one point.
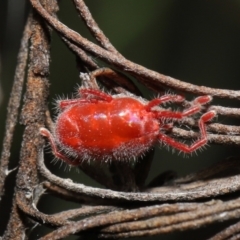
(117, 217)
(205, 189)
(160, 222)
(62, 218)
(14, 104)
(230, 231)
(93, 26)
(226, 111)
(128, 66)
(182, 226)
(212, 138)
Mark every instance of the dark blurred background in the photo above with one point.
(195, 41)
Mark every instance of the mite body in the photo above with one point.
(99, 126)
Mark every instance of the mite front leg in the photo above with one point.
(164, 99)
(97, 94)
(62, 104)
(44, 132)
(195, 108)
(197, 144)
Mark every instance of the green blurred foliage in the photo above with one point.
(195, 41)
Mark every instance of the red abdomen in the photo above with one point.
(106, 126)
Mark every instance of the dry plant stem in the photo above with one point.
(59, 219)
(28, 209)
(93, 27)
(221, 128)
(86, 211)
(49, 122)
(235, 237)
(117, 217)
(32, 117)
(134, 69)
(183, 226)
(213, 138)
(88, 61)
(214, 127)
(13, 105)
(107, 72)
(187, 192)
(226, 111)
(202, 211)
(71, 196)
(227, 232)
(120, 79)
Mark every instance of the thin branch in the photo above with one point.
(182, 226)
(128, 66)
(235, 237)
(204, 189)
(226, 111)
(14, 104)
(226, 129)
(93, 26)
(228, 232)
(202, 211)
(33, 117)
(117, 217)
(27, 208)
(88, 61)
(214, 127)
(156, 219)
(62, 218)
(71, 196)
(119, 78)
(212, 138)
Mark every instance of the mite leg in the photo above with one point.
(164, 99)
(62, 104)
(197, 144)
(99, 95)
(44, 132)
(195, 108)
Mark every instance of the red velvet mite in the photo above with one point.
(99, 126)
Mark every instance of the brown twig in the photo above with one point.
(227, 233)
(71, 196)
(156, 219)
(62, 218)
(117, 217)
(93, 26)
(13, 105)
(120, 79)
(32, 116)
(182, 226)
(128, 66)
(87, 60)
(226, 111)
(212, 138)
(204, 189)
(164, 222)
